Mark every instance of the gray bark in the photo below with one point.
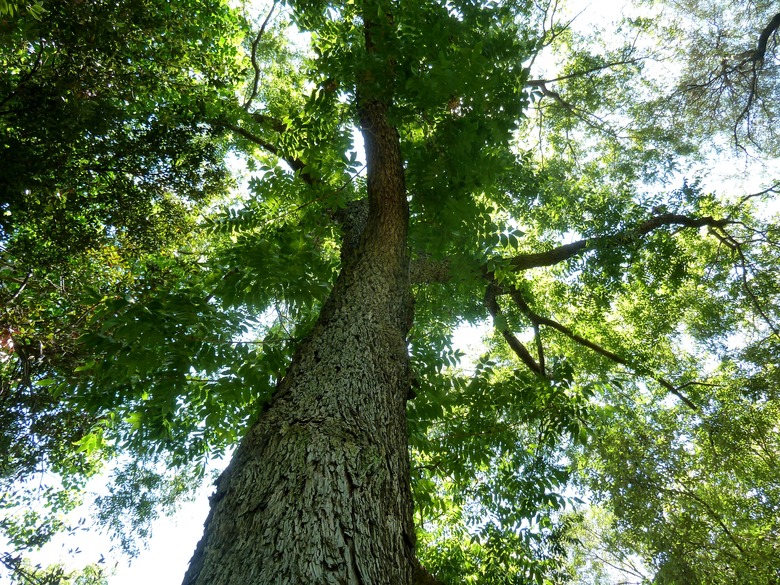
(318, 490)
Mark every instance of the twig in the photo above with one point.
(22, 286)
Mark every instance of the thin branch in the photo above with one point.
(586, 117)
(269, 122)
(742, 270)
(696, 383)
(322, 197)
(751, 294)
(773, 189)
(556, 32)
(745, 66)
(752, 93)
(255, 65)
(639, 369)
(539, 347)
(543, 82)
(712, 513)
(22, 286)
(295, 164)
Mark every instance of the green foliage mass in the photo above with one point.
(622, 410)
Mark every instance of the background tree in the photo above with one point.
(632, 320)
(104, 162)
(664, 499)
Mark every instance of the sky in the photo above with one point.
(165, 556)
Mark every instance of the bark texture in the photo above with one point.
(318, 491)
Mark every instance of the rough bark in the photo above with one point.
(318, 490)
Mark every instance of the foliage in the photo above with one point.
(23, 573)
(11, 7)
(105, 159)
(634, 313)
(696, 492)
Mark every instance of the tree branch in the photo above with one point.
(295, 164)
(269, 122)
(255, 65)
(711, 512)
(422, 576)
(588, 118)
(751, 294)
(741, 70)
(542, 82)
(763, 39)
(567, 251)
(769, 190)
(538, 320)
(19, 291)
(438, 271)
(520, 350)
(539, 347)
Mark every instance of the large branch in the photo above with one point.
(427, 271)
(567, 251)
(763, 39)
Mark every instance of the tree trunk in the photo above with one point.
(318, 491)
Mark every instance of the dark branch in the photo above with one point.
(438, 271)
(269, 122)
(539, 347)
(711, 512)
(567, 251)
(744, 67)
(295, 164)
(760, 51)
(255, 65)
(769, 190)
(543, 82)
(753, 299)
(492, 305)
(538, 320)
(588, 118)
(742, 269)
(422, 576)
(19, 291)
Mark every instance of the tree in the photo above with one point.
(104, 162)
(310, 319)
(730, 73)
